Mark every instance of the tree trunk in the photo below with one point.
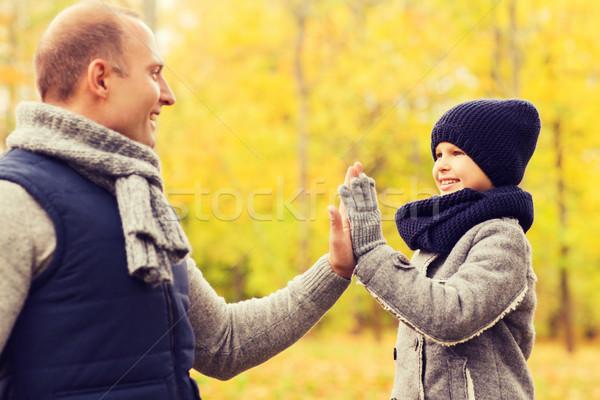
(566, 310)
(515, 55)
(11, 59)
(511, 85)
(496, 58)
(300, 12)
(150, 13)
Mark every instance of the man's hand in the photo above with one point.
(341, 257)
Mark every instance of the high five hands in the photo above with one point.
(341, 257)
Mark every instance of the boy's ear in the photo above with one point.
(97, 78)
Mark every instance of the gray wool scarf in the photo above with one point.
(129, 170)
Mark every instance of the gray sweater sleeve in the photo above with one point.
(491, 280)
(231, 338)
(27, 243)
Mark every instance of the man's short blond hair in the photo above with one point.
(78, 35)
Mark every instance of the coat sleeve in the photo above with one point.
(490, 282)
(231, 338)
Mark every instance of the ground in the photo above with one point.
(348, 367)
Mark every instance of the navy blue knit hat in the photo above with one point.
(499, 135)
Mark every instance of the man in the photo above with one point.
(99, 298)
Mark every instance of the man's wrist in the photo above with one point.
(345, 271)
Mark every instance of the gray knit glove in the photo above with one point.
(360, 201)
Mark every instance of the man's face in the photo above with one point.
(136, 98)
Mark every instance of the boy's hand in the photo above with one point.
(341, 257)
(360, 201)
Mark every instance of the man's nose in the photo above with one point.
(167, 97)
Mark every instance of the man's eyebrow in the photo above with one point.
(159, 64)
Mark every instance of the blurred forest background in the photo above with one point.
(275, 98)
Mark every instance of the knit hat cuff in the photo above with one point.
(454, 134)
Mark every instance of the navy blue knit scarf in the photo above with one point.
(437, 223)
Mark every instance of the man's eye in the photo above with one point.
(155, 73)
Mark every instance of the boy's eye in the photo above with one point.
(438, 156)
(458, 153)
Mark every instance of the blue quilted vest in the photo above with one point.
(88, 330)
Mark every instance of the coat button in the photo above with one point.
(395, 354)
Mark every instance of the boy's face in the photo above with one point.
(454, 170)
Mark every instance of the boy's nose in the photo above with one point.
(441, 164)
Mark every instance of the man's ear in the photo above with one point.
(98, 74)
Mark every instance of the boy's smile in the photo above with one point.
(454, 170)
(446, 184)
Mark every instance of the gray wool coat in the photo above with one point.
(466, 318)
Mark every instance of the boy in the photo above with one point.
(466, 299)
